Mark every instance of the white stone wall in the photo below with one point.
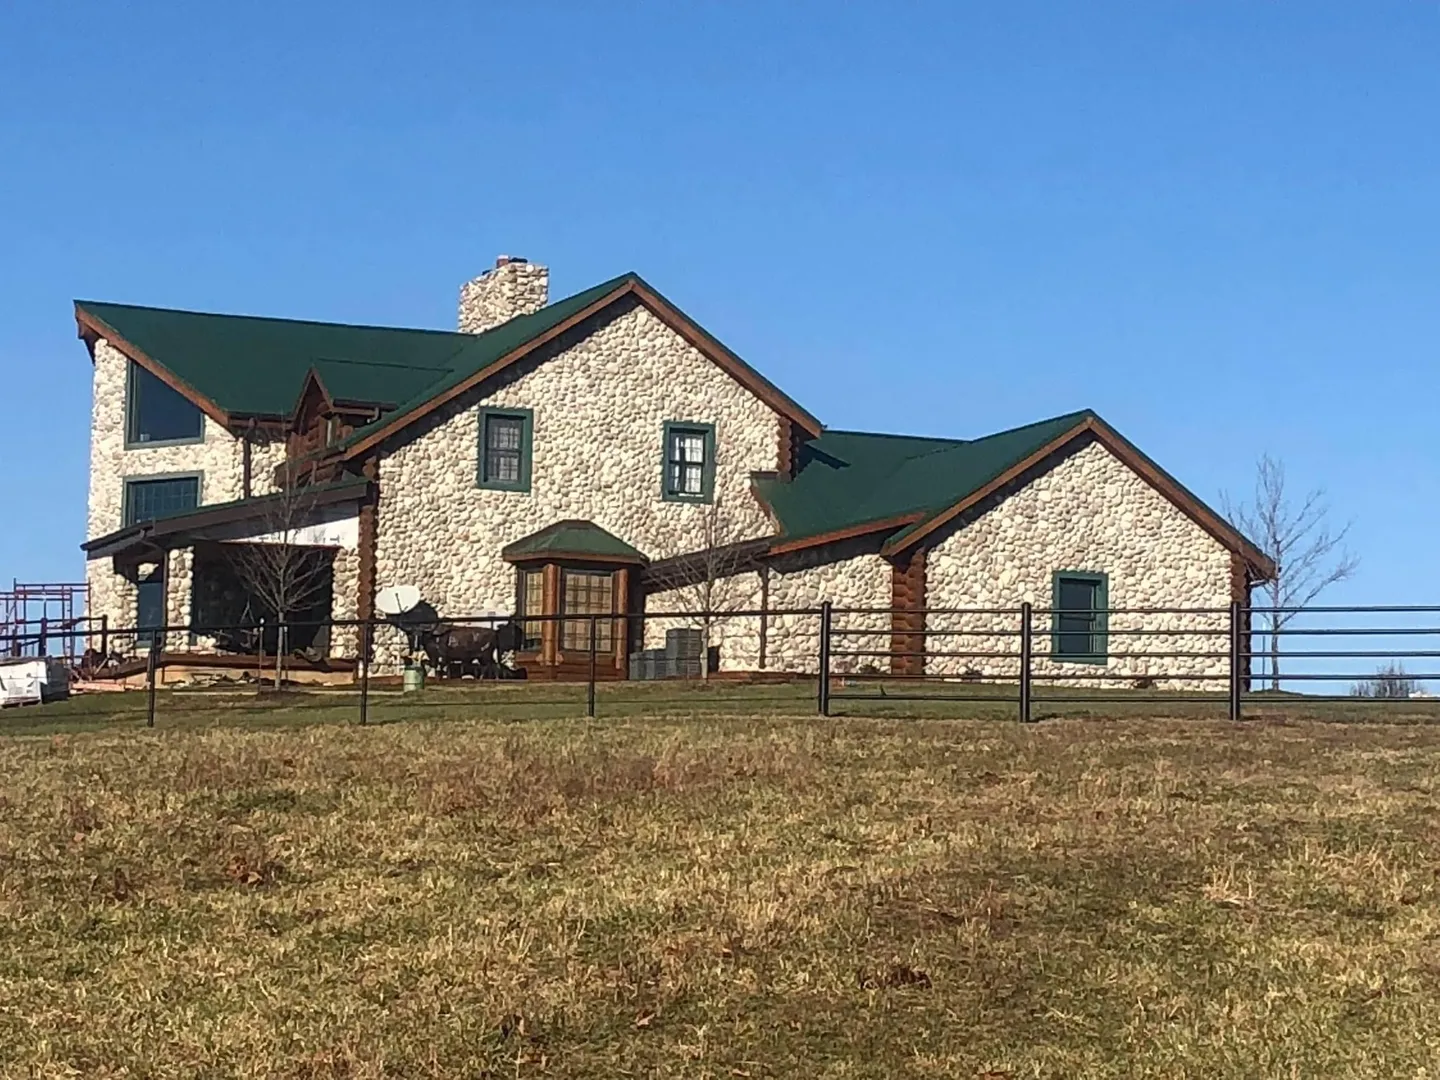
(1090, 512)
(600, 402)
(496, 296)
(219, 458)
(846, 575)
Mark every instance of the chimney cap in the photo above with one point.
(502, 260)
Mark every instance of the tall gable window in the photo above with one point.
(689, 462)
(155, 414)
(1079, 617)
(505, 445)
(146, 500)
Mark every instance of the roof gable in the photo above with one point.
(495, 350)
(249, 366)
(852, 483)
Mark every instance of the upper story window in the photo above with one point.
(1079, 618)
(505, 445)
(689, 461)
(146, 500)
(154, 413)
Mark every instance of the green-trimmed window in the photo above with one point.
(689, 461)
(1079, 617)
(506, 438)
(165, 496)
(156, 415)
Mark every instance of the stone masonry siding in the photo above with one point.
(1088, 512)
(219, 458)
(498, 295)
(601, 395)
(849, 575)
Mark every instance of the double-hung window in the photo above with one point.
(155, 414)
(689, 462)
(146, 500)
(505, 444)
(1079, 617)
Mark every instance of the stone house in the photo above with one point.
(596, 455)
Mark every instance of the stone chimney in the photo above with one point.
(514, 287)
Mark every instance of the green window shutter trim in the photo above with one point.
(707, 473)
(527, 446)
(1100, 628)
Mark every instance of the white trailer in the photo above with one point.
(31, 680)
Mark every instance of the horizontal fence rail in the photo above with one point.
(1028, 659)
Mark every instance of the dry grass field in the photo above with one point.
(703, 893)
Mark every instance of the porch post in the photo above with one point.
(179, 596)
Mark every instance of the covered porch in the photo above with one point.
(234, 589)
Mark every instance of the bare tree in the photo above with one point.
(703, 581)
(1309, 556)
(282, 574)
(1390, 681)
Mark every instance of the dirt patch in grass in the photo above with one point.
(721, 896)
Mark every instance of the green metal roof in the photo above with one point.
(253, 366)
(256, 366)
(850, 478)
(573, 537)
(375, 383)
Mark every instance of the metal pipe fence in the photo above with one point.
(1027, 660)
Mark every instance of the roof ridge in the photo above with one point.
(374, 363)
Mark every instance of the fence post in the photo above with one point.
(1235, 663)
(150, 663)
(823, 697)
(590, 687)
(366, 632)
(260, 654)
(1027, 646)
(42, 644)
(104, 638)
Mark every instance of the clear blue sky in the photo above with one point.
(1216, 223)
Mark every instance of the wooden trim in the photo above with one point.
(85, 321)
(1240, 582)
(1122, 449)
(620, 628)
(574, 556)
(907, 601)
(764, 618)
(864, 529)
(369, 542)
(550, 600)
(662, 309)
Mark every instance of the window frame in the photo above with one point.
(604, 628)
(707, 471)
(131, 418)
(1100, 627)
(524, 616)
(128, 482)
(527, 446)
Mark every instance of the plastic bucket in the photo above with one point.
(413, 679)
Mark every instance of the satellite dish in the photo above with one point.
(396, 600)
